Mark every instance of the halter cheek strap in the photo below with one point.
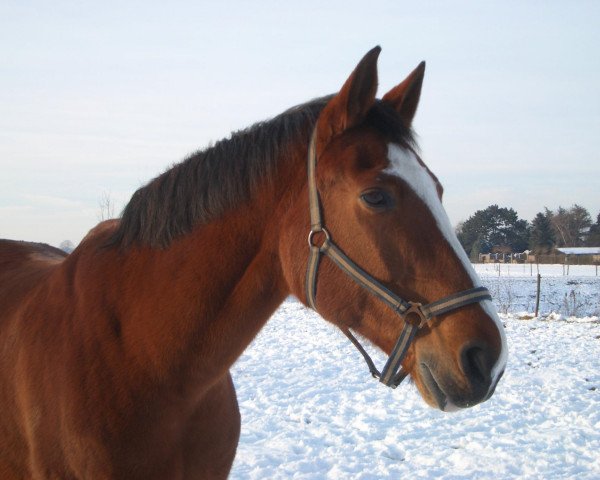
(414, 315)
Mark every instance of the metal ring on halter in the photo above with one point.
(312, 233)
(417, 309)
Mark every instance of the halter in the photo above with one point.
(414, 315)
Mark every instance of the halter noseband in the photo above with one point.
(414, 315)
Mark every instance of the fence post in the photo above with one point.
(537, 295)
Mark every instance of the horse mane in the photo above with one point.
(210, 182)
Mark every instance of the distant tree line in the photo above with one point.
(499, 227)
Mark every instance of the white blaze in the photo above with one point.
(405, 165)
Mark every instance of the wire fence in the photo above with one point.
(573, 292)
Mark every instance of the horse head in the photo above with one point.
(376, 213)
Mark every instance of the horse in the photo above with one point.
(115, 360)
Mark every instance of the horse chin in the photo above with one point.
(432, 392)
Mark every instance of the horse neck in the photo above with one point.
(196, 305)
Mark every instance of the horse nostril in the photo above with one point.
(476, 365)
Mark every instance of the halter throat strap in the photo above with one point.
(413, 314)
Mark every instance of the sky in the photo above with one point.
(97, 98)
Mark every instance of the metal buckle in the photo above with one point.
(312, 233)
(415, 308)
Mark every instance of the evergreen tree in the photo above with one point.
(494, 226)
(593, 239)
(541, 234)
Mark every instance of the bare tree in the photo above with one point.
(107, 207)
(571, 225)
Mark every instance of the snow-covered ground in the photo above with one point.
(576, 294)
(311, 410)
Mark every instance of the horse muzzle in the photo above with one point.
(470, 384)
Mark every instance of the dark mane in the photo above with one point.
(210, 182)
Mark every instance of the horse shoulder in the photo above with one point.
(213, 432)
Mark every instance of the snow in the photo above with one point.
(310, 409)
(513, 287)
(580, 250)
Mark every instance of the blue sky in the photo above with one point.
(97, 98)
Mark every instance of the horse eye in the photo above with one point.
(377, 199)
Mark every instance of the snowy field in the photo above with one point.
(310, 409)
(514, 288)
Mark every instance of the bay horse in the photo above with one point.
(114, 360)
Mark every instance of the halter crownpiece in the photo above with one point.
(414, 315)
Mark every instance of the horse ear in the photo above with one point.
(351, 104)
(405, 96)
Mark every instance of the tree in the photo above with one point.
(494, 226)
(541, 234)
(107, 207)
(570, 226)
(593, 239)
(580, 223)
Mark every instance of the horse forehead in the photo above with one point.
(404, 163)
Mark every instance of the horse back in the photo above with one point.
(22, 266)
(14, 253)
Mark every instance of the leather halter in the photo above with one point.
(414, 315)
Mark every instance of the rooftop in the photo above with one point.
(580, 250)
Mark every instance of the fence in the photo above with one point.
(553, 258)
(524, 288)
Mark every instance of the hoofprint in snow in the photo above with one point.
(311, 410)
